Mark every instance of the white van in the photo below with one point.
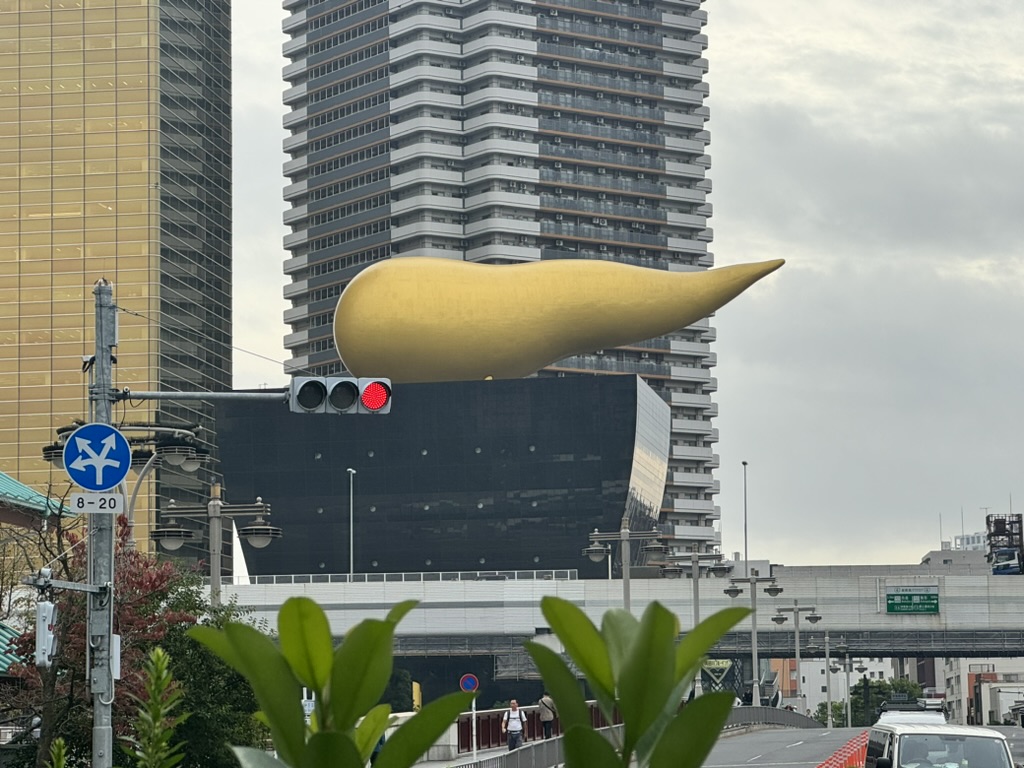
(893, 745)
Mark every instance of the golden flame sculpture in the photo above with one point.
(419, 319)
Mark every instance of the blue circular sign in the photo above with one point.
(469, 683)
(97, 457)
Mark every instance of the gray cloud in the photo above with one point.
(873, 383)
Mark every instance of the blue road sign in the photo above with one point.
(97, 457)
(469, 683)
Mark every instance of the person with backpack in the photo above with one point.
(546, 707)
(513, 722)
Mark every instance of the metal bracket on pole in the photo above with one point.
(42, 583)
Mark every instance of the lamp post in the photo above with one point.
(746, 557)
(814, 618)
(672, 571)
(828, 684)
(828, 677)
(597, 552)
(772, 590)
(847, 667)
(351, 525)
(259, 534)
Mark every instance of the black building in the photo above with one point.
(467, 476)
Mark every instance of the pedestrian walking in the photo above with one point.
(513, 722)
(546, 707)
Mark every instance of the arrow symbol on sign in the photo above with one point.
(98, 462)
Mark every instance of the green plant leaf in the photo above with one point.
(562, 684)
(618, 628)
(585, 746)
(647, 673)
(399, 611)
(699, 640)
(250, 757)
(362, 668)
(331, 749)
(584, 645)
(646, 744)
(408, 744)
(370, 728)
(277, 690)
(306, 642)
(689, 738)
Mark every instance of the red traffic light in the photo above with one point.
(374, 395)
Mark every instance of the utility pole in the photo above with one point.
(101, 542)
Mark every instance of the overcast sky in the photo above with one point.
(874, 384)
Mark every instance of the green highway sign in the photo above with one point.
(912, 599)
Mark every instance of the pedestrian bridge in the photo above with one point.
(871, 609)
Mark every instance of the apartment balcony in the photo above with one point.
(695, 427)
(693, 506)
(424, 228)
(516, 21)
(702, 480)
(516, 97)
(698, 375)
(425, 21)
(419, 176)
(554, 148)
(503, 172)
(560, 177)
(691, 452)
(295, 288)
(612, 10)
(517, 227)
(701, 533)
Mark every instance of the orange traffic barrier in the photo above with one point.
(850, 755)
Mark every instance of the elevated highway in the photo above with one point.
(978, 615)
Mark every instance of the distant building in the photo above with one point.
(503, 133)
(982, 691)
(468, 476)
(971, 541)
(815, 681)
(115, 163)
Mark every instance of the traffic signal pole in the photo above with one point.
(101, 543)
(374, 397)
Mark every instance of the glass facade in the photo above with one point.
(114, 163)
(502, 475)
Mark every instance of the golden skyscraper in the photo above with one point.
(114, 163)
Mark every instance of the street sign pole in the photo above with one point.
(469, 683)
(101, 542)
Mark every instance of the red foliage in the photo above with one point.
(150, 599)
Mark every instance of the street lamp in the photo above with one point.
(351, 525)
(771, 590)
(746, 557)
(828, 680)
(844, 649)
(597, 552)
(671, 570)
(814, 618)
(259, 534)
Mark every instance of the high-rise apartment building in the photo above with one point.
(115, 142)
(503, 131)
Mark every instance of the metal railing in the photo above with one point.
(741, 716)
(562, 574)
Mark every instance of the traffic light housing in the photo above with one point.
(339, 395)
(46, 637)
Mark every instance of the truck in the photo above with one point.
(1003, 534)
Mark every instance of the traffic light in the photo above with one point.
(339, 395)
(46, 637)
